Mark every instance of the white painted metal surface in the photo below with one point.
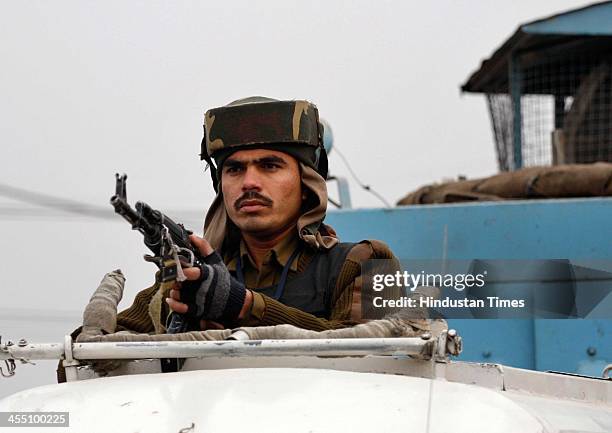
(229, 348)
(309, 386)
(277, 400)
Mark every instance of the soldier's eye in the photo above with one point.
(270, 165)
(232, 169)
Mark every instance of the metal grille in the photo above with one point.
(500, 110)
(566, 111)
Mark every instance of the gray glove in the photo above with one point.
(216, 295)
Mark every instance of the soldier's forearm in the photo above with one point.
(267, 311)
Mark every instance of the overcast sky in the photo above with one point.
(88, 88)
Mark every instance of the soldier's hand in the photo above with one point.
(213, 294)
(193, 274)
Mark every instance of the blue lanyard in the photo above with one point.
(280, 288)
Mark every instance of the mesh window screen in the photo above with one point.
(566, 112)
(500, 109)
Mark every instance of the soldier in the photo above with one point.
(270, 259)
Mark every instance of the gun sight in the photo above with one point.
(122, 207)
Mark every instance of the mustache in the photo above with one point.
(252, 195)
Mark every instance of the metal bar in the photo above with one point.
(204, 349)
(515, 78)
(70, 364)
(559, 111)
(344, 193)
(33, 351)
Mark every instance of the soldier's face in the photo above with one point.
(262, 191)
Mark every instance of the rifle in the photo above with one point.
(168, 241)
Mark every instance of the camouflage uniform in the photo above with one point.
(324, 271)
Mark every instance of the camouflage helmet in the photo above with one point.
(292, 127)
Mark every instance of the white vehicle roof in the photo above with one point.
(293, 400)
(309, 386)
